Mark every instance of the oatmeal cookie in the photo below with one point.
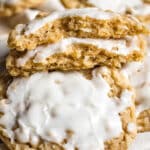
(105, 121)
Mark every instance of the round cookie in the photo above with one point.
(101, 118)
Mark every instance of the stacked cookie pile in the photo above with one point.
(66, 87)
(73, 40)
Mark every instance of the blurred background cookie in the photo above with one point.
(12, 7)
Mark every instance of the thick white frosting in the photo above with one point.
(52, 5)
(139, 75)
(41, 53)
(86, 12)
(117, 6)
(46, 105)
(142, 142)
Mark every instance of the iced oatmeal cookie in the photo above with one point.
(99, 111)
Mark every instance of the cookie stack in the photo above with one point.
(75, 39)
(67, 92)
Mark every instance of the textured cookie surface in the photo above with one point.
(76, 54)
(115, 101)
(11, 7)
(82, 23)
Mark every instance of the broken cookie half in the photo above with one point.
(81, 23)
(76, 54)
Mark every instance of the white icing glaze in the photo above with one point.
(142, 142)
(139, 75)
(45, 105)
(52, 5)
(86, 12)
(118, 6)
(42, 52)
